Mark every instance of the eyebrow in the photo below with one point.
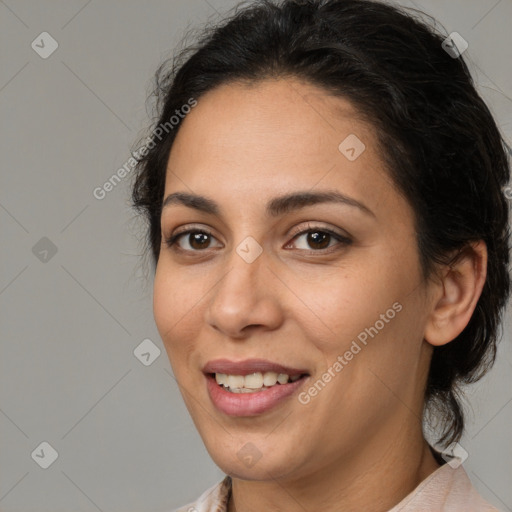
(275, 207)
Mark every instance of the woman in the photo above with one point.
(324, 195)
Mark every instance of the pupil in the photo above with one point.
(320, 239)
(201, 239)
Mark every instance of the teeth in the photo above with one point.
(243, 390)
(254, 381)
(235, 381)
(282, 378)
(221, 378)
(270, 378)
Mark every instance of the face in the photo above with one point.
(326, 284)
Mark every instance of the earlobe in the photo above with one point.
(457, 294)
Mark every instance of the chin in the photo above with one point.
(244, 460)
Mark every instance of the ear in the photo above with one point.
(456, 294)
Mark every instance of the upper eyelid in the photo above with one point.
(311, 227)
(188, 229)
(294, 232)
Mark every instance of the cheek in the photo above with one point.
(371, 309)
(350, 302)
(174, 305)
(163, 303)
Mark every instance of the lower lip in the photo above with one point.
(249, 404)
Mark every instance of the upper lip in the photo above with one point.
(248, 366)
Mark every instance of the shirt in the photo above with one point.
(445, 490)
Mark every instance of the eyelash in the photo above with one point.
(342, 240)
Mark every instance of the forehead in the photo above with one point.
(283, 116)
(274, 136)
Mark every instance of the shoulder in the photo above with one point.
(214, 499)
(447, 489)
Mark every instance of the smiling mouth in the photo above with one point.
(254, 382)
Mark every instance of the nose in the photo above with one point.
(244, 299)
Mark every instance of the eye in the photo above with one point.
(191, 240)
(318, 239)
(315, 239)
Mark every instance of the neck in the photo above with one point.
(373, 479)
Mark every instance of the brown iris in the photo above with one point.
(199, 240)
(318, 238)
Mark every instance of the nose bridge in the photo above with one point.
(240, 285)
(243, 296)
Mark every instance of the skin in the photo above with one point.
(358, 444)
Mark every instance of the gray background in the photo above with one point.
(70, 321)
